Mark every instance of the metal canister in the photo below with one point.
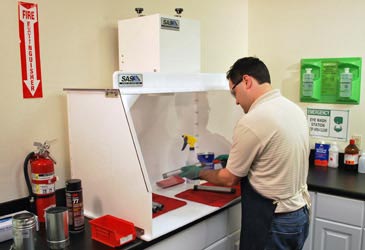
(24, 231)
(75, 205)
(57, 228)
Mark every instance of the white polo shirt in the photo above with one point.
(271, 146)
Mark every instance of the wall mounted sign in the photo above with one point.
(328, 123)
(29, 50)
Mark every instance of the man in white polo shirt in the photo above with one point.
(269, 157)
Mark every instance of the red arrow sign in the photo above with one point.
(29, 50)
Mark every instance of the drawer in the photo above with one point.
(340, 209)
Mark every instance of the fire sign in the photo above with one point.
(29, 50)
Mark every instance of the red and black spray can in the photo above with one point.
(75, 206)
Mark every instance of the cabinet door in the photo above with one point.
(308, 243)
(331, 235)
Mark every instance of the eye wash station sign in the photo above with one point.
(328, 123)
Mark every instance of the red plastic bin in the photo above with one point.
(112, 231)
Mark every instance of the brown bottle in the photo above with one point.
(351, 156)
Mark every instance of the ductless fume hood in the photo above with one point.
(122, 139)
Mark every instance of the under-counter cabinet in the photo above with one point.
(338, 223)
(220, 232)
(332, 235)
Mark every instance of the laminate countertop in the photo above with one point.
(336, 181)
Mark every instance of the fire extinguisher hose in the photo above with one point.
(27, 180)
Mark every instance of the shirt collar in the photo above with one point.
(265, 97)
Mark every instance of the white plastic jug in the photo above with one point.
(361, 168)
(333, 155)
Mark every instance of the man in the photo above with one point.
(269, 157)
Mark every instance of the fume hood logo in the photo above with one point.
(130, 80)
(170, 24)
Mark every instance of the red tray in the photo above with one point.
(112, 231)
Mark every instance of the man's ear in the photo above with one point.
(248, 81)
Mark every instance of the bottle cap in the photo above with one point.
(352, 141)
(24, 221)
(73, 185)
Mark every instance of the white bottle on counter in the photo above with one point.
(192, 158)
(333, 155)
(361, 168)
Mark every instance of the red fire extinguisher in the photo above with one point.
(41, 185)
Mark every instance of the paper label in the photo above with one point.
(43, 188)
(126, 239)
(321, 154)
(351, 159)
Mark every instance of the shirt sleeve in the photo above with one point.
(245, 147)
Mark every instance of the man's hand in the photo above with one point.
(222, 159)
(191, 172)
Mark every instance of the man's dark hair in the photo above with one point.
(251, 66)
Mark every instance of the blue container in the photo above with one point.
(321, 154)
(206, 159)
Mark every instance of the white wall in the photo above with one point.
(78, 46)
(283, 32)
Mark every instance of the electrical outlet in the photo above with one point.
(357, 139)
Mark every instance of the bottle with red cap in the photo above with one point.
(351, 156)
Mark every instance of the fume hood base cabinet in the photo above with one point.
(220, 232)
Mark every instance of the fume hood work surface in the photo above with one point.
(123, 140)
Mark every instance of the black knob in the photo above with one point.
(139, 10)
(179, 10)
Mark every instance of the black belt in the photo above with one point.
(298, 210)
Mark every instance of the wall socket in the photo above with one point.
(357, 139)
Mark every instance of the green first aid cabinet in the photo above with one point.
(330, 80)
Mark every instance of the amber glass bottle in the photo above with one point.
(351, 156)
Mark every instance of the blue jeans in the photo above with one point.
(289, 230)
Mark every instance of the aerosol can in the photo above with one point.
(41, 185)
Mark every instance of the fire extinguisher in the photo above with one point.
(41, 185)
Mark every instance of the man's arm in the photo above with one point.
(220, 177)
